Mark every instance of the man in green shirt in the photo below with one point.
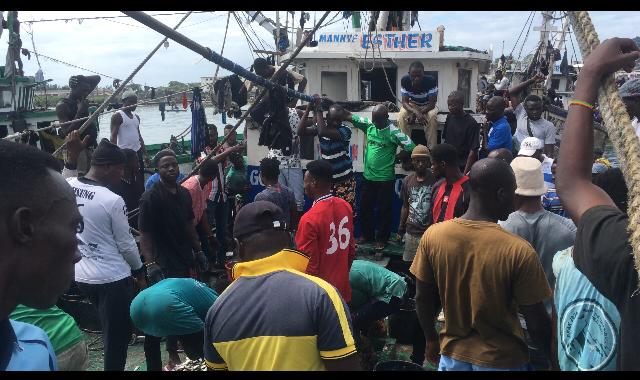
(68, 341)
(376, 293)
(383, 139)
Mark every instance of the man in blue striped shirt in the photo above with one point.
(334, 139)
(419, 96)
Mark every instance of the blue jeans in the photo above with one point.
(449, 364)
(293, 179)
(218, 214)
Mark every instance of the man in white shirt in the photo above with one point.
(501, 82)
(110, 264)
(125, 131)
(529, 117)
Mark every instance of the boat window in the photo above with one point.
(464, 85)
(334, 85)
(374, 86)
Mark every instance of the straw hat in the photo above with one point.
(529, 177)
(420, 151)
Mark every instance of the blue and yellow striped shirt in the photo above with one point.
(276, 317)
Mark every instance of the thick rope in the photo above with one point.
(275, 75)
(618, 125)
(121, 88)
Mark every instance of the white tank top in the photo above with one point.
(128, 137)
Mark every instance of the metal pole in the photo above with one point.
(277, 35)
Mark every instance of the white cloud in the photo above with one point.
(114, 49)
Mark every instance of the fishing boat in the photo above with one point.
(18, 113)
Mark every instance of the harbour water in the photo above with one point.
(156, 131)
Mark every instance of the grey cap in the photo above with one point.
(630, 88)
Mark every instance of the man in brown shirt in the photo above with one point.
(482, 275)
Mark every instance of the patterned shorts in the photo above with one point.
(346, 190)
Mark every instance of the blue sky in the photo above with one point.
(117, 46)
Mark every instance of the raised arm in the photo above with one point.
(515, 91)
(574, 186)
(303, 128)
(93, 81)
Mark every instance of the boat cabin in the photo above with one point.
(363, 67)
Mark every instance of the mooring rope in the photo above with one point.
(121, 87)
(58, 124)
(618, 125)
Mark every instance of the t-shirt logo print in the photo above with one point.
(594, 332)
(344, 236)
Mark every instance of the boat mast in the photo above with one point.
(545, 29)
(277, 36)
(558, 44)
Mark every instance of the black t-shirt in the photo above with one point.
(463, 132)
(603, 254)
(166, 217)
(131, 193)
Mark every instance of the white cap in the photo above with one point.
(530, 145)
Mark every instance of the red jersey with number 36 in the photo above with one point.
(325, 233)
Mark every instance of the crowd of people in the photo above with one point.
(523, 255)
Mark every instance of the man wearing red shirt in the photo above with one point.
(325, 232)
(450, 195)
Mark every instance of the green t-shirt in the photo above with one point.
(236, 179)
(173, 306)
(380, 153)
(61, 328)
(369, 280)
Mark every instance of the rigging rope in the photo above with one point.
(104, 104)
(57, 124)
(522, 47)
(106, 17)
(75, 66)
(275, 75)
(224, 41)
(619, 128)
(521, 31)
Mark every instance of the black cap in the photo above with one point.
(108, 154)
(258, 216)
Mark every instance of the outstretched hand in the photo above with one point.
(75, 146)
(612, 55)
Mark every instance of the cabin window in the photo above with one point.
(464, 85)
(374, 86)
(334, 85)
